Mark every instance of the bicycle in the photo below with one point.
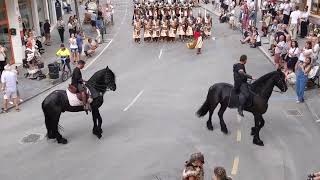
(64, 73)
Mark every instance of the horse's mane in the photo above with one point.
(263, 79)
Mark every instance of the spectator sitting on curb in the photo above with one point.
(9, 88)
(88, 48)
(253, 38)
(219, 173)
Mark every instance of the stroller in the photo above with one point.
(33, 65)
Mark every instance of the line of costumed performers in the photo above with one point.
(167, 22)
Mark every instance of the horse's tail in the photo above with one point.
(204, 108)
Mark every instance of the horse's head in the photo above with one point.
(280, 81)
(110, 80)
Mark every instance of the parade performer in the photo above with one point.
(181, 28)
(147, 30)
(194, 167)
(164, 29)
(189, 31)
(155, 30)
(172, 31)
(198, 39)
(207, 25)
(137, 30)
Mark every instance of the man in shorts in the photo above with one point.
(9, 88)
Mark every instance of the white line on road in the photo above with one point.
(235, 166)
(238, 135)
(133, 101)
(98, 55)
(160, 54)
(238, 118)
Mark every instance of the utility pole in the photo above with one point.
(77, 12)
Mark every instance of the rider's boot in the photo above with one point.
(241, 104)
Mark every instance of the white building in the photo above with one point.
(19, 15)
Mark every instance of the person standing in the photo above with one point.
(286, 12)
(9, 88)
(198, 40)
(194, 167)
(71, 26)
(302, 71)
(2, 58)
(278, 50)
(294, 19)
(60, 26)
(304, 20)
(80, 38)
(73, 48)
(47, 35)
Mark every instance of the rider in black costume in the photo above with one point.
(240, 82)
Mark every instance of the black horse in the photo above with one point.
(260, 91)
(57, 102)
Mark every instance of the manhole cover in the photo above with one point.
(31, 138)
(293, 112)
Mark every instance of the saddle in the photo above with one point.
(249, 101)
(74, 90)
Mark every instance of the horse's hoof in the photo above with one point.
(209, 126)
(62, 141)
(258, 142)
(224, 130)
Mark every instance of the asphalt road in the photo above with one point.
(149, 123)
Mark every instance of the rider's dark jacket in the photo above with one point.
(76, 79)
(240, 77)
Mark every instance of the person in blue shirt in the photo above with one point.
(80, 38)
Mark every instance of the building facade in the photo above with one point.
(17, 16)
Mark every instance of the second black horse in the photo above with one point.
(261, 91)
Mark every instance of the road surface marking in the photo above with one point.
(160, 54)
(235, 166)
(98, 55)
(238, 135)
(133, 101)
(318, 121)
(238, 118)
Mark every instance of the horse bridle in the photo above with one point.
(281, 84)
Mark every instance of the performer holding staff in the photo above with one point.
(137, 30)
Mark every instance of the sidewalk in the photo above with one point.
(311, 95)
(31, 88)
